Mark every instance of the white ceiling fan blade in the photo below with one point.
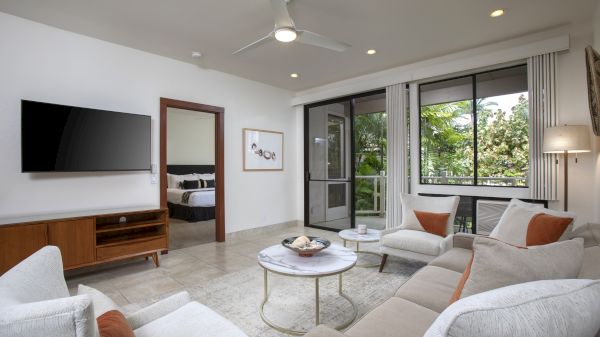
(314, 39)
(281, 14)
(254, 44)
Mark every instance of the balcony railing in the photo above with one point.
(482, 181)
(378, 183)
(379, 192)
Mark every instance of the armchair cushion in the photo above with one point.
(158, 309)
(412, 203)
(414, 241)
(34, 300)
(191, 320)
(102, 303)
(69, 316)
(37, 278)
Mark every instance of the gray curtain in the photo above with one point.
(397, 152)
(543, 169)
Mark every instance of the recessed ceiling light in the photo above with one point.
(496, 13)
(294, 75)
(371, 51)
(196, 54)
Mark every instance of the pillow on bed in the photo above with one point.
(190, 184)
(205, 176)
(173, 180)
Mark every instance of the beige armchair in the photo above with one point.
(410, 240)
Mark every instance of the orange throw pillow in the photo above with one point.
(544, 229)
(461, 284)
(434, 223)
(114, 324)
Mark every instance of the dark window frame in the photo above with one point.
(473, 77)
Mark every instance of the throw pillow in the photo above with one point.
(532, 225)
(114, 324)
(497, 264)
(434, 223)
(190, 184)
(412, 203)
(550, 308)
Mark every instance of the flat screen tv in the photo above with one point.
(62, 138)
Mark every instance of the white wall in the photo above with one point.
(573, 109)
(42, 63)
(190, 137)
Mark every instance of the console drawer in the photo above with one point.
(131, 248)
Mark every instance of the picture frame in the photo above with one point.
(262, 150)
(592, 63)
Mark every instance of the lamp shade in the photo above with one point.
(570, 138)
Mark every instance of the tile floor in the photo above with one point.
(132, 284)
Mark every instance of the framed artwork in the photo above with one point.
(263, 150)
(592, 59)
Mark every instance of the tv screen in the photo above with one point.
(61, 138)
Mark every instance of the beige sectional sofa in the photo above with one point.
(419, 301)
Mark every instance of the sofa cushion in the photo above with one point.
(590, 268)
(191, 320)
(431, 287)
(497, 264)
(525, 224)
(550, 308)
(411, 203)
(414, 241)
(456, 259)
(393, 318)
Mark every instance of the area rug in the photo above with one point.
(237, 296)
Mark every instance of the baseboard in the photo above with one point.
(265, 229)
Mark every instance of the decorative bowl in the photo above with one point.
(306, 252)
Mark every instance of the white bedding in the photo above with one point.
(204, 197)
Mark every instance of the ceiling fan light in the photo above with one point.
(285, 35)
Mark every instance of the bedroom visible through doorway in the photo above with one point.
(190, 161)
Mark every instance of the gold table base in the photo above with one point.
(317, 309)
(358, 251)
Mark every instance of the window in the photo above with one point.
(474, 129)
(336, 146)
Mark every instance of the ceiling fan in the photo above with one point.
(285, 31)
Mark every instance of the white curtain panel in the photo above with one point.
(397, 152)
(543, 169)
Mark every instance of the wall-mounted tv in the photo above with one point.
(62, 138)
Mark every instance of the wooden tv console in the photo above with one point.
(87, 238)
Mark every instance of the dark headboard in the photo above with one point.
(188, 169)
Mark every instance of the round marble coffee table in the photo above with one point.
(352, 235)
(332, 261)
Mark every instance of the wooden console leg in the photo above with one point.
(383, 260)
(155, 259)
(146, 258)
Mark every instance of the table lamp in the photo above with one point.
(567, 139)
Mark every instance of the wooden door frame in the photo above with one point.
(219, 156)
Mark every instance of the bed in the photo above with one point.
(191, 205)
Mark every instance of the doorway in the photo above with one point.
(192, 172)
(344, 162)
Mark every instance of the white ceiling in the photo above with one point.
(402, 31)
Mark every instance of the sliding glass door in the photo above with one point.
(328, 174)
(330, 163)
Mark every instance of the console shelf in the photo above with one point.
(88, 239)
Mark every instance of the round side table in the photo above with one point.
(334, 260)
(352, 235)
